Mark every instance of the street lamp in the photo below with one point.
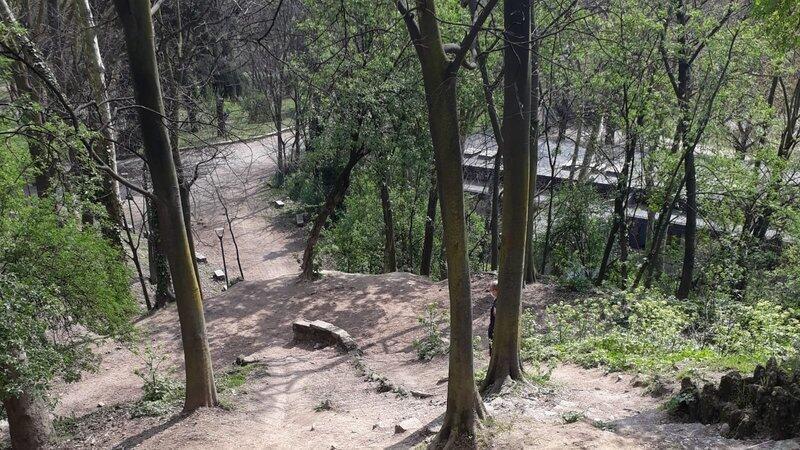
(220, 233)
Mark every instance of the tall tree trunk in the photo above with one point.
(533, 162)
(332, 201)
(464, 405)
(221, 119)
(494, 220)
(430, 230)
(591, 149)
(138, 30)
(505, 363)
(619, 229)
(690, 177)
(29, 421)
(389, 254)
(108, 150)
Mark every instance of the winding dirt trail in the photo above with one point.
(280, 407)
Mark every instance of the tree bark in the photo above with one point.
(505, 363)
(332, 201)
(464, 405)
(138, 30)
(430, 230)
(29, 421)
(389, 254)
(533, 162)
(494, 220)
(108, 151)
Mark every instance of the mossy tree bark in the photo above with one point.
(505, 363)
(138, 30)
(464, 405)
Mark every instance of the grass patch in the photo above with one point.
(572, 416)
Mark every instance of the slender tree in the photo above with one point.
(440, 75)
(137, 26)
(505, 363)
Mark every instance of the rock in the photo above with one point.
(101, 405)
(420, 394)
(242, 360)
(730, 386)
(411, 424)
(313, 427)
(434, 428)
(709, 404)
(323, 334)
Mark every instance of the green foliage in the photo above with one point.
(433, 343)
(577, 236)
(62, 287)
(649, 332)
(161, 393)
(572, 416)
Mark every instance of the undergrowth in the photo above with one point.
(433, 343)
(648, 332)
(163, 394)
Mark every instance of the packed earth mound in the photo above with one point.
(767, 402)
(303, 395)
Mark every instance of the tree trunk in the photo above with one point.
(159, 266)
(333, 200)
(505, 363)
(138, 30)
(221, 119)
(108, 151)
(494, 220)
(533, 162)
(430, 230)
(29, 421)
(619, 229)
(591, 148)
(464, 405)
(389, 254)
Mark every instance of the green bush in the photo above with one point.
(433, 343)
(650, 332)
(161, 393)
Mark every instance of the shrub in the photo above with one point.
(648, 331)
(433, 343)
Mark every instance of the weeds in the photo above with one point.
(433, 322)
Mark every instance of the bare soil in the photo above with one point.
(281, 406)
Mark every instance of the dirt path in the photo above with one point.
(280, 408)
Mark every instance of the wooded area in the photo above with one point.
(607, 184)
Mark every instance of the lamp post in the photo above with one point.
(220, 233)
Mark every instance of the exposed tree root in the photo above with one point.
(498, 378)
(459, 429)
